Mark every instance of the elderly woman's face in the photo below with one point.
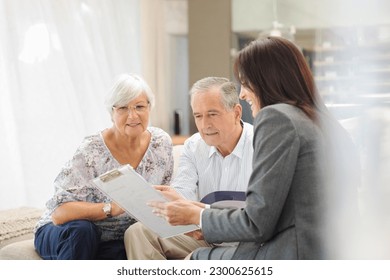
(133, 119)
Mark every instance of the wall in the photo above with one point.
(209, 35)
(250, 15)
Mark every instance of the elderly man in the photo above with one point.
(217, 158)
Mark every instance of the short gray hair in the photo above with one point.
(126, 88)
(227, 88)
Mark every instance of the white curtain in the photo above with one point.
(58, 59)
(155, 62)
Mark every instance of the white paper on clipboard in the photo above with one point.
(131, 192)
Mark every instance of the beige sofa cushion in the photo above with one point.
(15, 223)
(21, 250)
(16, 233)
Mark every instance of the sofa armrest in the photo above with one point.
(16, 233)
(18, 222)
(21, 250)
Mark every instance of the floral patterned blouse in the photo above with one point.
(93, 158)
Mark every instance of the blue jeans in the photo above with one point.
(76, 240)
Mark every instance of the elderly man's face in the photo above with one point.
(215, 124)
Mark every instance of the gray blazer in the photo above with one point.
(285, 200)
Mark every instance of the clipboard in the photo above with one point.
(131, 192)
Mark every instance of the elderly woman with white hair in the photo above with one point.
(80, 221)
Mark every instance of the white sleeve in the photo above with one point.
(186, 181)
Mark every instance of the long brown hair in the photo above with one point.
(277, 72)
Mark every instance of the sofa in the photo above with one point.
(17, 225)
(16, 233)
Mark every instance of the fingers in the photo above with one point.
(156, 204)
(159, 213)
(158, 187)
(199, 236)
(159, 208)
(162, 188)
(164, 215)
(170, 211)
(196, 234)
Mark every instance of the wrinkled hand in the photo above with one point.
(196, 234)
(168, 192)
(116, 210)
(178, 212)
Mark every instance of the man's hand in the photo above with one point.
(168, 192)
(178, 212)
(196, 234)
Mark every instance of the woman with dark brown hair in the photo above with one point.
(276, 71)
(286, 197)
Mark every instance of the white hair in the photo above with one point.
(126, 88)
(229, 94)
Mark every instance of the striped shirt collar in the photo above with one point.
(239, 149)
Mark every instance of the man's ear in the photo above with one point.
(238, 112)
